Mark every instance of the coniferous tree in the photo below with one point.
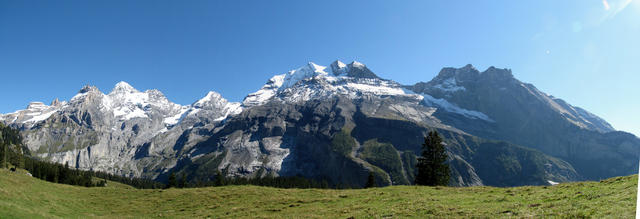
(3, 138)
(183, 181)
(219, 178)
(371, 181)
(4, 153)
(324, 184)
(431, 168)
(172, 180)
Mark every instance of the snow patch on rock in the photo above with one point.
(449, 85)
(175, 119)
(42, 116)
(265, 93)
(449, 107)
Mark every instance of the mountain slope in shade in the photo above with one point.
(526, 116)
(338, 123)
(307, 124)
(317, 138)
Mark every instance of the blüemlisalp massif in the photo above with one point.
(335, 123)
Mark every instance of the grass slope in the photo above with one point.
(113, 184)
(26, 197)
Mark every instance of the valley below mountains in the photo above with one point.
(336, 123)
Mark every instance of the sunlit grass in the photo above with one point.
(26, 197)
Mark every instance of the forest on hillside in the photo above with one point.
(14, 155)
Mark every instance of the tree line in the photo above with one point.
(431, 169)
(13, 153)
(10, 143)
(58, 173)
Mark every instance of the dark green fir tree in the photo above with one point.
(371, 181)
(172, 180)
(431, 168)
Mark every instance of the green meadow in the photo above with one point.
(22, 196)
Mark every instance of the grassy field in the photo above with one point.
(22, 196)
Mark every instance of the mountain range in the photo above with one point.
(336, 123)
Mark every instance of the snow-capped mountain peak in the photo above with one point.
(309, 71)
(124, 87)
(125, 94)
(212, 107)
(88, 88)
(266, 92)
(34, 113)
(36, 105)
(355, 81)
(134, 133)
(357, 64)
(315, 81)
(317, 68)
(338, 68)
(211, 98)
(156, 95)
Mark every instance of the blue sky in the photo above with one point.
(585, 52)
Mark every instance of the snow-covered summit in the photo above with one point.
(357, 64)
(88, 89)
(338, 68)
(353, 80)
(266, 92)
(125, 102)
(123, 87)
(36, 105)
(34, 113)
(308, 71)
(214, 101)
(316, 81)
(212, 96)
(212, 107)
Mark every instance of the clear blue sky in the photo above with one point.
(584, 51)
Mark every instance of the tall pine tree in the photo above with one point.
(431, 167)
(4, 152)
(3, 137)
(371, 180)
(183, 182)
(219, 178)
(172, 180)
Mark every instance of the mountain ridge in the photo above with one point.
(291, 125)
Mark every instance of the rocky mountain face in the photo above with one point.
(336, 123)
(103, 131)
(524, 115)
